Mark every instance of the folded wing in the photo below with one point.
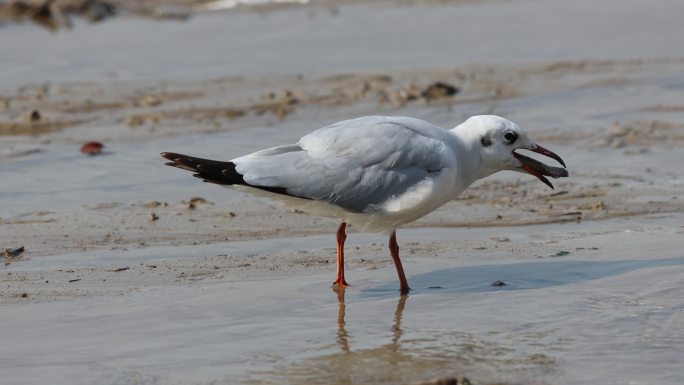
(355, 164)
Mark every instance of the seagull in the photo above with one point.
(378, 173)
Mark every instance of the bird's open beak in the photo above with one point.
(539, 169)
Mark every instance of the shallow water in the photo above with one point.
(552, 323)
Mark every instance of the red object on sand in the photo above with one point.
(92, 148)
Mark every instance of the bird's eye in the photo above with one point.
(510, 137)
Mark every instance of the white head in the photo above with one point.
(497, 139)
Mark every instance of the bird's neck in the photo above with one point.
(469, 153)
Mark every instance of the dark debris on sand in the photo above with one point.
(56, 14)
(13, 254)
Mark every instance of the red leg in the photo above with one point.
(394, 250)
(341, 236)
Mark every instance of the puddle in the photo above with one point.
(408, 355)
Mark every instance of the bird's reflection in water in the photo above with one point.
(349, 365)
(408, 355)
(396, 327)
(343, 335)
(364, 357)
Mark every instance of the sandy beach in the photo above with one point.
(119, 270)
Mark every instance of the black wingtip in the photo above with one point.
(213, 171)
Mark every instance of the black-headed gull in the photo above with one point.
(377, 172)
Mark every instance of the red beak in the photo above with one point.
(539, 169)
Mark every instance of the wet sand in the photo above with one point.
(136, 273)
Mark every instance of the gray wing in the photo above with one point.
(354, 164)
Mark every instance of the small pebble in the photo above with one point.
(92, 148)
(33, 116)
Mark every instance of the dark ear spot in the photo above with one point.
(486, 141)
